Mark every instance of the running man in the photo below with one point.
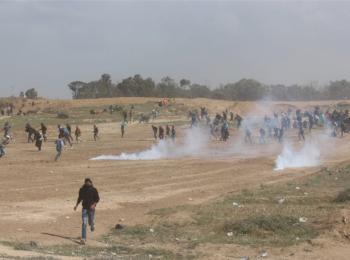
(77, 134)
(59, 148)
(173, 133)
(95, 131)
(7, 129)
(3, 144)
(262, 133)
(30, 131)
(122, 128)
(43, 129)
(248, 136)
(38, 140)
(161, 133)
(89, 197)
(69, 129)
(155, 131)
(167, 131)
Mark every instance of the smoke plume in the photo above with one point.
(307, 156)
(193, 144)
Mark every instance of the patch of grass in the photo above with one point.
(168, 211)
(343, 196)
(274, 229)
(266, 216)
(112, 250)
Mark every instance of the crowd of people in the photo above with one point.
(272, 126)
(265, 128)
(161, 134)
(256, 129)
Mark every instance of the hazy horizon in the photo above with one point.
(47, 44)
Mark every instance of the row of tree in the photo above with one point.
(30, 93)
(244, 90)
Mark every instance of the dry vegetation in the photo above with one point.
(189, 208)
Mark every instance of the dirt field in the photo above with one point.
(37, 195)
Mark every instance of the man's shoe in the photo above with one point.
(92, 228)
(83, 242)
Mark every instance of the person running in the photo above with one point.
(59, 148)
(280, 134)
(7, 129)
(77, 134)
(173, 133)
(69, 129)
(262, 133)
(122, 128)
(3, 144)
(224, 131)
(155, 131)
(193, 118)
(38, 140)
(238, 120)
(248, 136)
(43, 130)
(60, 131)
(125, 116)
(167, 131)
(231, 116)
(30, 131)
(300, 125)
(89, 197)
(67, 136)
(95, 131)
(301, 132)
(161, 133)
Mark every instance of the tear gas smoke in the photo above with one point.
(307, 156)
(194, 143)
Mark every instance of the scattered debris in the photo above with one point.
(297, 188)
(264, 254)
(229, 234)
(281, 201)
(236, 205)
(151, 230)
(302, 219)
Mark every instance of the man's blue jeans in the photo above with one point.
(88, 216)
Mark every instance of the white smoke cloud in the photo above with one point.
(194, 143)
(307, 156)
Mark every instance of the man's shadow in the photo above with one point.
(74, 240)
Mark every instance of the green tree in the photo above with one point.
(185, 83)
(76, 87)
(31, 93)
(167, 87)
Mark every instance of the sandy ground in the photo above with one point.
(37, 195)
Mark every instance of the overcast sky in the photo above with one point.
(47, 44)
